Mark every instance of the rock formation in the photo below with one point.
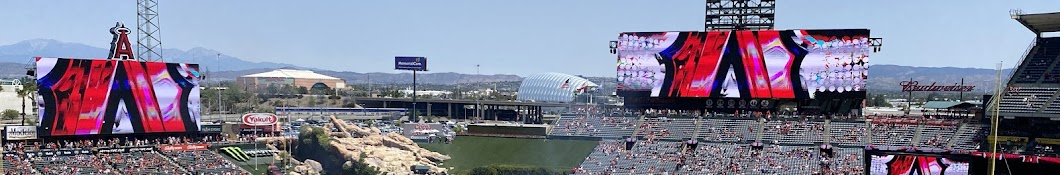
(391, 153)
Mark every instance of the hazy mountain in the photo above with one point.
(444, 78)
(887, 77)
(24, 52)
(883, 78)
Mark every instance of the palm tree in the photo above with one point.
(28, 91)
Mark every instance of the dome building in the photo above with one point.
(553, 87)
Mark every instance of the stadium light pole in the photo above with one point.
(478, 105)
(219, 106)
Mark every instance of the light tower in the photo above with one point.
(739, 15)
(148, 35)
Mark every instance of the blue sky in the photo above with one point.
(514, 37)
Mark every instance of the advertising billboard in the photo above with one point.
(783, 64)
(86, 96)
(410, 63)
(888, 164)
(20, 132)
(260, 119)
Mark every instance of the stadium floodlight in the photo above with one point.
(876, 44)
(614, 47)
(1015, 13)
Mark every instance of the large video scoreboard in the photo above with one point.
(917, 164)
(766, 64)
(109, 96)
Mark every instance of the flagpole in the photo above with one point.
(994, 122)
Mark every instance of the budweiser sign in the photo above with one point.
(911, 86)
(259, 119)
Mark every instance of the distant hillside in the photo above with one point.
(24, 52)
(887, 77)
(442, 78)
(14, 59)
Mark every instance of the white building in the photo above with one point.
(407, 92)
(553, 87)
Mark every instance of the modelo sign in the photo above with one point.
(21, 132)
(260, 119)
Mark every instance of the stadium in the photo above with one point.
(739, 97)
(289, 77)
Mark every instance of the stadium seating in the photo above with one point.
(202, 162)
(149, 163)
(1039, 61)
(1026, 99)
(610, 157)
(142, 163)
(79, 164)
(968, 137)
(794, 132)
(892, 134)
(667, 128)
(16, 164)
(726, 130)
(594, 126)
(846, 133)
(934, 136)
(665, 157)
(724, 145)
(848, 161)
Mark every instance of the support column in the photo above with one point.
(539, 116)
(450, 110)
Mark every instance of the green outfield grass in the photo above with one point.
(472, 151)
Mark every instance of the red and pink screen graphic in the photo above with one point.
(86, 96)
(743, 64)
(916, 165)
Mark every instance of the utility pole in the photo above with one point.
(478, 95)
(218, 89)
(369, 85)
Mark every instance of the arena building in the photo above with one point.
(553, 87)
(296, 78)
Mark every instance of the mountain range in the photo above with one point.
(24, 52)
(15, 58)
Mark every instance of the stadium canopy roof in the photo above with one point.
(1041, 22)
(290, 73)
(947, 105)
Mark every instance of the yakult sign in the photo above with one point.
(260, 119)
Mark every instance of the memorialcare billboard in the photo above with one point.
(743, 64)
(84, 96)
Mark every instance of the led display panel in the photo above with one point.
(783, 64)
(916, 165)
(87, 96)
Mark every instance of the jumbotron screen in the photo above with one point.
(87, 96)
(916, 165)
(780, 64)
